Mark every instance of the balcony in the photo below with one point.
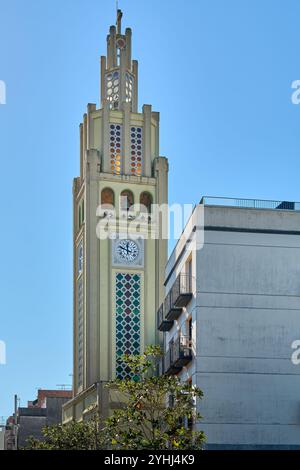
(178, 355)
(162, 323)
(182, 291)
(178, 297)
(171, 311)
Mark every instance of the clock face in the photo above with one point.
(127, 250)
(121, 43)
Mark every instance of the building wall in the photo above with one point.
(47, 411)
(245, 318)
(30, 424)
(2, 437)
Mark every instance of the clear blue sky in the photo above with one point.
(220, 74)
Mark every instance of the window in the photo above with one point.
(190, 330)
(112, 89)
(189, 275)
(107, 197)
(145, 202)
(79, 217)
(126, 200)
(80, 258)
(129, 83)
(116, 148)
(80, 213)
(136, 143)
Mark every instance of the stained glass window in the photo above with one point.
(116, 148)
(136, 160)
(128, 319)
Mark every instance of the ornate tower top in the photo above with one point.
(119, 74)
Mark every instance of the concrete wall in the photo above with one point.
(246, 314)
(30, 424)
(31, 421)
(54, 410)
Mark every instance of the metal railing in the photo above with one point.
(163, 323)
(183, 285)
(160, 315)
(182, 290)
(178, 297)
(178, 354)
(250, 203)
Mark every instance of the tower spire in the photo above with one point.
(119, 20)
(119, 73)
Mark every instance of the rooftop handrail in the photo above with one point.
(250, 203)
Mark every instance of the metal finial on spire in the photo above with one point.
(119, 20)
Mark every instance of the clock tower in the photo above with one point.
(118, 280)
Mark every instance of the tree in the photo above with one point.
(156, 411)
(71, 436)
(154, 414)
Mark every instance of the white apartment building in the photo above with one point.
(230, 317)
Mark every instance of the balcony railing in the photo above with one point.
(178, 297)
(178, 355)
(182, 290)
(250, 203)
(162, 323)
(171, 311)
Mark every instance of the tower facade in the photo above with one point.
(118, 280)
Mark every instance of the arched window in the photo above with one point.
(107, 197)
(146, 202)
(81, 213)
(79, 217)
(126, 200)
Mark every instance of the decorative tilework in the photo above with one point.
(128, 319)
(136, 160)
(80, 330)
(116, 148)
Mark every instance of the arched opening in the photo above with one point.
(107, 197)
(146, 202)
(82, 211)
(126, 200)
(79, 217)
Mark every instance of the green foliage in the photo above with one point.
(153, 414)
(71, 436)
(146, 421)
